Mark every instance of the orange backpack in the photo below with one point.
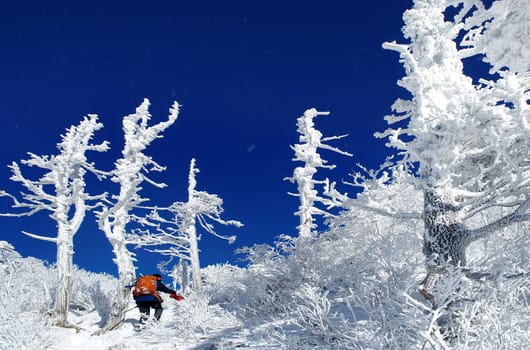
(146, 285)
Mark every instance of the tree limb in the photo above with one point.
(519, 215)
(42, 238)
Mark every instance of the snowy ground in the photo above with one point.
(230, 335)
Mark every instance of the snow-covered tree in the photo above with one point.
(306, 151)
(179, 274)
(178, 235)
(130, 172)
(61, 191)
(470, 142)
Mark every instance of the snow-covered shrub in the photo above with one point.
(268, 281)
(469, 314)
(312, 313)
(92, 292)
(501, 319)
(27, 296)
(189, 321)
(24, 331)
(223, 283)
(490, 314)
(24, 300)
(249, 291)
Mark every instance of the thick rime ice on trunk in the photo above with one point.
(471, 142)
(189, 221)
(130, 172)
(311, 141)
(66, 198)
(178, 236)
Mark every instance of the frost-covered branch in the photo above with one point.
(372, 183)
(519, 215)
(39, 237)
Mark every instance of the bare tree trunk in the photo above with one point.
(445, 240)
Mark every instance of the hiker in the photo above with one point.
(146, 295)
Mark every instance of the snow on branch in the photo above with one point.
(518, 215)
(39, 237)
(375, 184)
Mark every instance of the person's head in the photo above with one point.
(158, 277)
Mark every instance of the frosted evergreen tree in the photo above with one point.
(306, 151)
(61, 191)
(179, 234)
(470, 142)
(130, 172)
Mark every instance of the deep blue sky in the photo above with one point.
(243, 71)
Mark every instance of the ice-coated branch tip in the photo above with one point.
(175, 108)
(312, 112)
